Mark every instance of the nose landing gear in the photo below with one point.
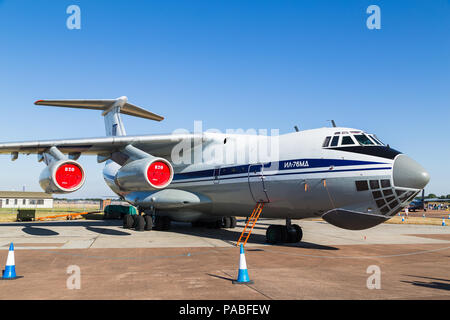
(290, 233)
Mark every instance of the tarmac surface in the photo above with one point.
(200, 263)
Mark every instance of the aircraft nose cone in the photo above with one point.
(408, 173)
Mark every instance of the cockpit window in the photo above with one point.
(363, 139)
(335, 141)
(346, 140)
(375, 138)
(326, 142)
(352, 138)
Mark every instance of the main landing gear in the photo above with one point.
(224, 222)
(147, 222)
(289, 233)
(151, 221)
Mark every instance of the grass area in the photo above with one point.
(417, 220)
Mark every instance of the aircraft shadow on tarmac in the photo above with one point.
(31, 230)
(68, 223)
(227, 235)
(441, 284)
(109, 232)
(231, 236)
(36, 228)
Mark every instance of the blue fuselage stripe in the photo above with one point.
(282, 165)
(296, 164)
(283, 174)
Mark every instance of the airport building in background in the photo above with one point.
(24, 199)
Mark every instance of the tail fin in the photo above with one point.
(111, 109)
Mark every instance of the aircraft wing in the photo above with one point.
(157, 145)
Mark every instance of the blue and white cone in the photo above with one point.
(10, 269)
(443, 222)
(243, 277)
(403, 218)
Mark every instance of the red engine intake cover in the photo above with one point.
(158, 173)
(69, 176)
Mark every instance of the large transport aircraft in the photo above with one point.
(346, 176)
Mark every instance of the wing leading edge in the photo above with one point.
(157, 145)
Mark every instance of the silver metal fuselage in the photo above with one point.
(303, 180)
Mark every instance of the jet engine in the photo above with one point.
(63, 176)
(149, 173)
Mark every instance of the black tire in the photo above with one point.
(299, 232)
(148, 222)
(134, 216)
(105, 216)
(139, 224)
(284, 234)
(272, 234)
(128, 221)
(233, 222)
(276, 234)
(294, 234)
(226, 222)
(291, 234)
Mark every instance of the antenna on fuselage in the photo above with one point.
(333, 123)
(296, 129)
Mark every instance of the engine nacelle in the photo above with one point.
(63, 176)
(149, 173)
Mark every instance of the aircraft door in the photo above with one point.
(256, 183)
(216, 175)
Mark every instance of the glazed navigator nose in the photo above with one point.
(408, 173)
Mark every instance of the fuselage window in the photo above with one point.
(335, 141)
(326, 142)
(385, 183)
(363, 139)
(361, 185)
(377, 194)
(346, 140)
(374, 184)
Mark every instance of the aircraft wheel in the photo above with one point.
(299, 232)
(233, 222)
(226, 222)
(294, 233)
(148, 222)
(128, 221)
(276, 234)
(139, 223)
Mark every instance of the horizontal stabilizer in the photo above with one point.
(106, 105)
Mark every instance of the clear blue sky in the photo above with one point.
(233, 64)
